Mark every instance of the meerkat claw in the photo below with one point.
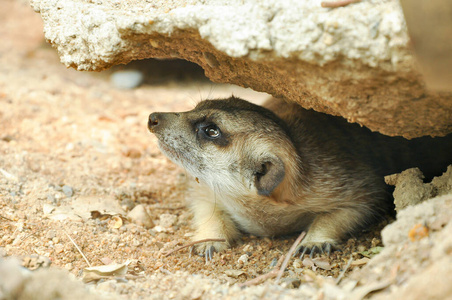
(327, 247)
(303, 251)
(315, 250)
(209, 253)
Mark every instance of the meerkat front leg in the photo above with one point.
(328, 229)
(211, 221)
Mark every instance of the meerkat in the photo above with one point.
(279, 169)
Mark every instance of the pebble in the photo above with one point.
(243, 259)
(59, 248)
(47, 209)
(297, 264)
(140, 216)
(68, 191)
(51, 198)
(248, 248)
(128, 79)
(69, 266)
(127, 204)
(51, 234)
(167, 220)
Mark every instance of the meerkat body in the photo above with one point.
(280, 169)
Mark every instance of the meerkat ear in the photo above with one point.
(268, 175)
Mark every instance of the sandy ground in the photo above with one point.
(76, 158)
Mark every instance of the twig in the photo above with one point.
(192, 244)
(289, 255)
(79, 250)
(262, 278)
(339, 3)
(339, 278)
(280, 266)
(169, 208)
(6, 218)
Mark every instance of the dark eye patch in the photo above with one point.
(210, 132)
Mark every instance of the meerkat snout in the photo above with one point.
(158, 121)
(153, 121)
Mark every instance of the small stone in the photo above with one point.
(68, 191)
(128, 79)
(243, 259)
(167, 220)
(127, 204)
(59, 248)
(140, 216)
(297, 264)
(47, 209)
(68, 266)
(51, 198)
(361, 248)
(51, 234)
(248, 248)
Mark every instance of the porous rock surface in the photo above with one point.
(352, 61)
(410, 188)
(416, 266)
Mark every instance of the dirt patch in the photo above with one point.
(76, 158)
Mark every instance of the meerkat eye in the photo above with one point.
(212, 131)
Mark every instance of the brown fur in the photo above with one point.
(281, 170)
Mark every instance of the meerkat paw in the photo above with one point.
(207, 249)
(317, 241)
(313, 248)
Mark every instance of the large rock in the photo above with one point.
(352, 61)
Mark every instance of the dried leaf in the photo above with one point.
(307, 262)
(116, 222)
(234, 273)
(97, 207)
(322, 263)
(360, 262)
(371, 252)
(99, 272)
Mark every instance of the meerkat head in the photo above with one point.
(234, 146)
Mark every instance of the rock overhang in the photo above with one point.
(352, 61)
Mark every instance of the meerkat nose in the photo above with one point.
(153, 121)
